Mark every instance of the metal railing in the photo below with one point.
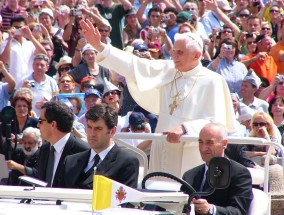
(187, 138)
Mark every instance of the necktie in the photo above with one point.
(50, 164)
(203, 181)
(96, 162)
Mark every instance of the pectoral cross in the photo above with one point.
(173, 106)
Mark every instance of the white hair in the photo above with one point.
(35, 132)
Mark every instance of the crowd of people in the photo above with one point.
(78, 71)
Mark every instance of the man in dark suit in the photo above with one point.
(108, 159)
(237, 197)
(55, 124)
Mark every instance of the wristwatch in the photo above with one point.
(210, 210)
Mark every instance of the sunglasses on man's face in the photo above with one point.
(89, 86)
(64, 68)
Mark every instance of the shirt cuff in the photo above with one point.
(103, 54)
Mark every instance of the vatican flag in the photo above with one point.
(108, 193)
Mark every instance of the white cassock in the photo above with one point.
(203, 97)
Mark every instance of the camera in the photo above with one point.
(37, 27)
(142, 54)
(18, 32)
(228, 47)
(32, 83)
(156, 30)
(76, 12)
(166, 17)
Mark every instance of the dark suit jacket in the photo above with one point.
(118, 165)
(237, 152)
(73, 145)
(19, 157)
(235, 199)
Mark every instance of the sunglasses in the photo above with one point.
(189, 9)
(40, 121)
(65, 68)
(111, 93)
(89, 86)
(244, 15)
(37, 6)
(250, 43)
(65, 81)
(274, 11)
(259, 124)
(264, 28)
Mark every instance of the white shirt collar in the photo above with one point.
(59, 145)
(102, 154)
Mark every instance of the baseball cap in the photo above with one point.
(224, 5)
(88, 47)
(92, 92)
(183, 17)
(130, 11)
(141, 47)
(136, 118)
(46, 11)
(252, 78)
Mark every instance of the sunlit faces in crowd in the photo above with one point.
(264, 44)
(230, 48)
(185, 28)
(253, 24)
(66, 84)
(190, 6)
(155, 16)
(87, 82)
(276, 107)
(266, 28)
(274, 12)
(251, 43)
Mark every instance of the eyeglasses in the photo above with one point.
(103, 30)
(244, 15)
(40, 121)
(265, 28)
(111, 93)
(251, 42)
(64, 68)
(37, 6)
(65, 81)
(259, 124)
(17, 27)
(274, 11)
(89, 86)
(41, 57)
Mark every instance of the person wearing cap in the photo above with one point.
(90, 67)
(138, 124)
(112, 95)
(43, 86)
(142, 51)
(64, 65)
(19, 49)
(114, 13)
(181, 91)
(92, 97)
(132, 28)
(249, 86)
(260, 61)
(46, 18)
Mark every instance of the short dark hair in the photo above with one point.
(171, 9)
(22, 98)
(154, 9)
(60, 113)
(139, 127)
(17, 19)
(103, 111)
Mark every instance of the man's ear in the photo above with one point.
(225, 143)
